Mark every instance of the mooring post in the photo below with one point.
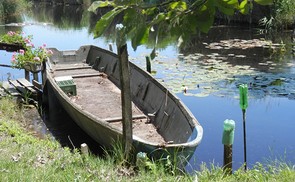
(125, 91)
(35, 77)
(27, 75)
(43, 73)
(148, 64)
(111, 47)
(227, 141)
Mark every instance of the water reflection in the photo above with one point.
(66, 131)
(10, 11)
(63, 17)
(269, 129)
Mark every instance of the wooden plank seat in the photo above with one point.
(117, 119)
(73, 68)
(88, 75)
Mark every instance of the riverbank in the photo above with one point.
(25, 157)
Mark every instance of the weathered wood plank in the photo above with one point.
(73, 68)
(117, 119)
(24, 82)
(88, 75)
(10, 89)
(37, 84)
(18, 87)
(27, 85)
(2, 92)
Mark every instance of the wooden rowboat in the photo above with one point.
(162, 125)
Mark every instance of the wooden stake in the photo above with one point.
(126, 99)
(27, 75)
(84, 149)
(228, 159)
(227, 141)
(35, 77)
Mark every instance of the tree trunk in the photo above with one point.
(126, 100)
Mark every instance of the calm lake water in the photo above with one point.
(212, 76)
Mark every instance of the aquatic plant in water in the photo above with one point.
(225, 66)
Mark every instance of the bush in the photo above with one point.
(282, 16)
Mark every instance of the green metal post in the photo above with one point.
(244, 104)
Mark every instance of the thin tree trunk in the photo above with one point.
(126, 100)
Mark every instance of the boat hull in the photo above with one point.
(148, 94)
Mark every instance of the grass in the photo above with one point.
(27, 158)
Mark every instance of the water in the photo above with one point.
(269, 123)
(211, 97)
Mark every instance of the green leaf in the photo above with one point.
(243, 4)
(160, 17)
(183, 5)
(173, 5)
(99, 4)
(225, 10)
(227, 6)
(106, 20)
(149, 11)
(205, 26)
(130, 19)
(141, 36)
(244, 7)
(180, 5)
(205, 19)
(264, 2)
(191, 22)
(232, 2)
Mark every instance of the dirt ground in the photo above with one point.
(99, 96)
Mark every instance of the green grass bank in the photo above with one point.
(25, 157)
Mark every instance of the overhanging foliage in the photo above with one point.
(149, 21)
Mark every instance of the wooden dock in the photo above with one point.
(21, 88)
